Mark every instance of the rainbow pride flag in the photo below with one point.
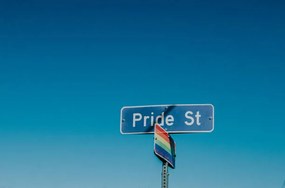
(164, 145)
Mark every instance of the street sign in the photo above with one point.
(181, 118)
(164, 146)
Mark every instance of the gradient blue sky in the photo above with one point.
(67, 68)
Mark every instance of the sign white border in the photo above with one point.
(165, 105)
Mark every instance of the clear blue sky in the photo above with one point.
(67, 68)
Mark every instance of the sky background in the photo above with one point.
(68, 67)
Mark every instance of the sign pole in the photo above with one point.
(164, 175)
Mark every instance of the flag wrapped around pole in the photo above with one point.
(164, 145)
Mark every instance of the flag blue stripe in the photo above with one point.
(165, 155)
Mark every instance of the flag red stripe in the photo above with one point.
(161, 132)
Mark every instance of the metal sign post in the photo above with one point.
(164, 149)
(164, 175)
(163, 120)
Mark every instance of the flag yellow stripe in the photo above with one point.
(164, 142)
(163, 146)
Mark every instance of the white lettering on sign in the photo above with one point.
(191, 120)
(136, 117)
(149, 120)
(169, 120)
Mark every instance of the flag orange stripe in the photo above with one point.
(161, 133)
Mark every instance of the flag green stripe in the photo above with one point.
(162, 140)
(162, 145)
